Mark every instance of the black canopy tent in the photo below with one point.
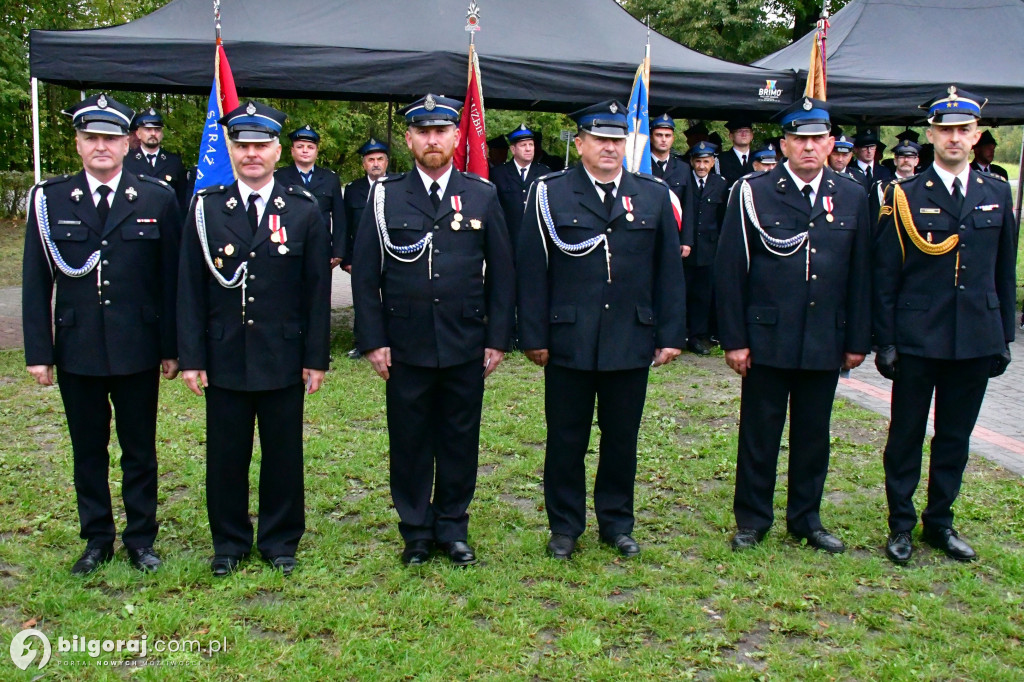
(534, 54)
(886, 57)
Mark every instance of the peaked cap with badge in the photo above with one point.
(306, 133)
(253, 122)
(101, 114)
(604, 119)
(432, 110)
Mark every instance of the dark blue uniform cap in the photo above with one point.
(908, 134)
(432, 110)
(986, 138)
(808, 116)
(737, 123)
(765, 154)
(697, 128)
(663, 121)
(843, 144)
(954, 107)
(253, 122)
(101, 114)
(519, 134)
(703, 148)
(605, 119)
(306, 132)
(373, 145)
(150, 118)
(865, 138)
(907, 148)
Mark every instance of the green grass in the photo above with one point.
(12, 246)
(687, 608)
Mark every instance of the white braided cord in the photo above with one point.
(583, 248)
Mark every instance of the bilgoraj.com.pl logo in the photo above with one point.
(22, 651)
(26, 651)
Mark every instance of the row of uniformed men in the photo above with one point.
(600, 291)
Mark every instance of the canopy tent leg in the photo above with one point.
(1020, 184)
(391, 107)
(35, 130)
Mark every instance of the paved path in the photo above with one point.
(999, 435)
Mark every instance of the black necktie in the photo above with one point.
(867, 173)
(254, 216)
(152, 159)
(807, 189)
(609, 198)
(700, 187)
(958, 197)
(435, 198)
(522, 174)
(306, 177)
(103, 206)
(661, 168)
(743, 160)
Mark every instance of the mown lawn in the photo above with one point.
(687, 608)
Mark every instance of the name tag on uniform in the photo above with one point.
(69, 222)
(988, 207)
(146, 220)
(931, 210)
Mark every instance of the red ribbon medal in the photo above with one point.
(278, 234)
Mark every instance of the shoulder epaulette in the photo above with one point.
(54, 180)
(212, 189)
(648, 176)
(390, 178)
(680, 157)
(474, 176)
(847, 176)
(898, 181)
(298, 191)
(991, 176)
(751, 176)
(554, 174)
(155, 181)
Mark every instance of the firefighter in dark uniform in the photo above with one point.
(906, 134)
(322, 183)
(842, 153)
(108, 242)
(601, 299)
(944, 301)
(737, 161)
(792, 284)
(865, 168)
(254, 310)
(433, 326)
(709, 193)
(672, 168)
(153, 160)
(984, 153)
(513, 179)
(906, 155)
(375, 155)
(765, 158)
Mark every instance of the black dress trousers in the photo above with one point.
(569, 396)
(231, 417)
(87, 404)
(434, 426)
(959, 388)
(699, 302)
(766, 391)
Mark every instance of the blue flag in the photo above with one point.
(214, 166)
(637, 158)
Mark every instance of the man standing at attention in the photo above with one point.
(601, 299)
(434, 294)
(792, 281)
(944, 308)
(108, 242)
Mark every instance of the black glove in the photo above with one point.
(886, 361)
(1000, 362)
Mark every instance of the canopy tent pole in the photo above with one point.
(1020, 184)
(35, 130)
(391, 106)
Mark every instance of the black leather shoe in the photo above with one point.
(224, 564)
(745, 538)
(417, 552)
(947, 540)
(561, 546)
(899, 547)
(354, 354)
(144, 559)
(627, 546)
(460, 553)
(820, 538)
(697, 345)
(284, 563)
(91, 559)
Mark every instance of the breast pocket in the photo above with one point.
(415, 223)
(987, 219)
(577, 228)
(641, 222)
(140, 231)
(777, 222)
(292, 249)
(70, 233)
(843, 222)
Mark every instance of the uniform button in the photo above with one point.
(252, 277)
(814, 277)
(609, 230)
(437, 227)
(963, 267)
(141, 233)
(252, 254)
(106, 262)
(104, 242)
(250, 323)
(436, 275)
(962, 228)
(812, 304)
(106, 282)
(437, 300)
(812, 224)
(251, 299)
(814, 251)
(437, 251)
(107, 302)
(607, 307)
(962, 287)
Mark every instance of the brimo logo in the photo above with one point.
(22, 654)
(771, 92)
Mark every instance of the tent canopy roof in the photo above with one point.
(533, 55)
(886, 57)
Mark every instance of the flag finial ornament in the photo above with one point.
(473, 17)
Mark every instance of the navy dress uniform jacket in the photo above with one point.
(993, 168)
(355, 196)
(168, 168)
(791, 312)
(708, 212)
(730, 168)
(955, 306)
(448, 318)
(513, 192)
(326, 189)
(878, 172)
(566, 304)
(123, 323)
(286, 326)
